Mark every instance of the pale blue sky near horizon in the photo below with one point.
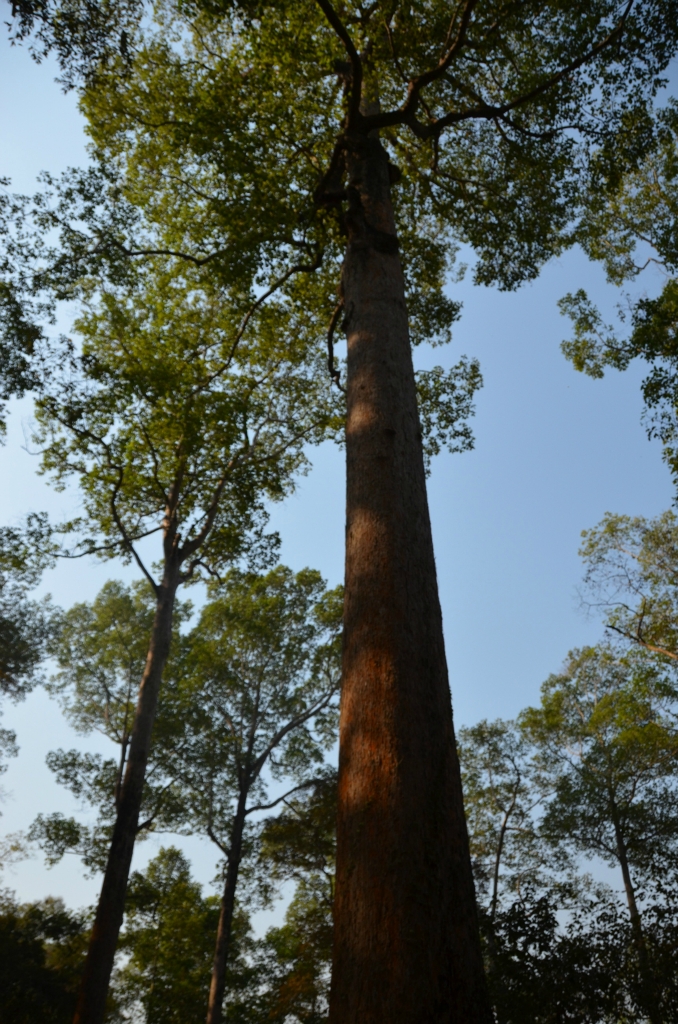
(554, 451)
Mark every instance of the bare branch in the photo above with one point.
(198, 261)
(191, 546)
(294, 723)
(224, 849)
(636, 638)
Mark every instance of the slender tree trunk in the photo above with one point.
(218, 983)
(407, 945)
(649, 995)
(490, 930)
(91, 1006)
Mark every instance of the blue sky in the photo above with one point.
(554, 452)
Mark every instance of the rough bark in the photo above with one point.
(407, 946)
(218, 982)
(91, 1006)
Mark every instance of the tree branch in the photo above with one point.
(198, 261)
(274, 803)
(224, 849)
(334, 373)
(636, 638)
(294, 723)
(126, 541)
(406, 113)
(356, 64)
(298, 268)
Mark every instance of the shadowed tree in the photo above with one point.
(553, 947)
(300, 845)
(42, 951)
(25, 626)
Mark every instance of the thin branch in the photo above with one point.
(198, 261)
(224, 849)
(421, 81)
(126, 541)
(298, 268)
(191, 546)
(294, 723)
(274, 803)
(113, 546)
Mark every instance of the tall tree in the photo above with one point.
(255, 699)
(250, 698)
(478, 109)
(169, 432)
(607, 740)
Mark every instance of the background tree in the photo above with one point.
(168, 943)
(607, 742)
(300, 845)
(19, 331)
(630, 576)
(100, 652)
(480, 105)
(25, 625)
(25, 628)
(501, 808)
(254, 701)
(631, 223)
(169, 432)
(250, 698)
(42, 950)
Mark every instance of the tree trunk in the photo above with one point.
(91, 1006)
(649, 995)
(218, 982)
(407, 945)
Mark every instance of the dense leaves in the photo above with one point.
(42, 948)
